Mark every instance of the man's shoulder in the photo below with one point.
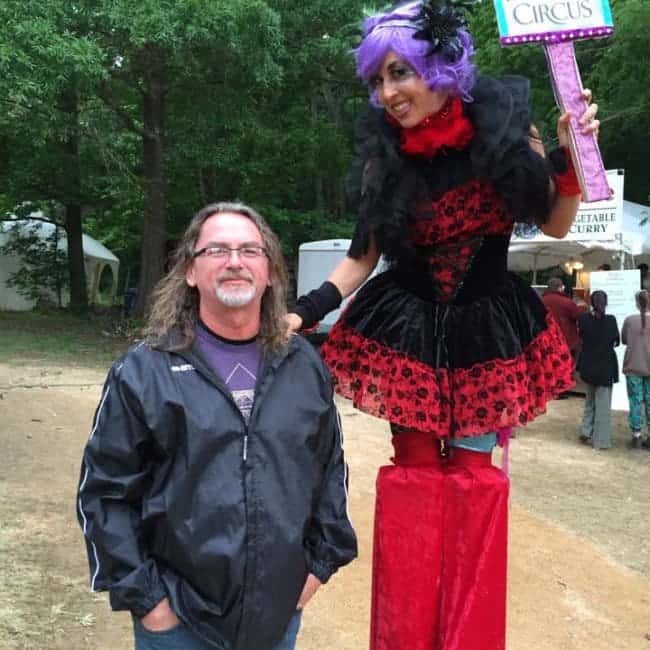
(298, 344)
(304, 350)
(140, 356)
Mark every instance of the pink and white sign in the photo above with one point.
(552, 21)
(556, 24)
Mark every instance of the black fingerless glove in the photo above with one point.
(559, 160)
(315, 305)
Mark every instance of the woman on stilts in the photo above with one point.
(445, 344)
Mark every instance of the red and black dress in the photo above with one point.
(446, 343)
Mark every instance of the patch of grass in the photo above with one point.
(62, 338)
(39, 606)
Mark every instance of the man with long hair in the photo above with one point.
(213, 493)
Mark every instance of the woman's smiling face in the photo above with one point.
(403, 93)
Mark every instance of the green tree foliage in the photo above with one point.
(46, 72)
(620, 77)
(132, 115)
(140, 60)
(159, 54)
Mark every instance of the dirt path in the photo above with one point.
(579, 550)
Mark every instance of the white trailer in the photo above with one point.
(316, 260)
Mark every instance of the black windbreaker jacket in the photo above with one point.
(178, 497)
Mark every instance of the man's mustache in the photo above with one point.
(235, 276)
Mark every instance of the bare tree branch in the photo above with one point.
(624, 113)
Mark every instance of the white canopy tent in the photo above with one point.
(101, 266)
(629, 248)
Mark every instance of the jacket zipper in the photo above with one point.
(227, 394)
(256, 405)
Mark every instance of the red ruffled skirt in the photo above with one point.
(448, 369)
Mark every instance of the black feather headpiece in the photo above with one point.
(439, 21)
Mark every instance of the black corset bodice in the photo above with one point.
(461, 245)
(457, 273)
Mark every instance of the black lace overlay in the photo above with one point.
(448, 266)
(387, 188)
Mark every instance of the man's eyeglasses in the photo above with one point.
(223, 252)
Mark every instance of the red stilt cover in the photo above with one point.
(440, 551)
(475, 549)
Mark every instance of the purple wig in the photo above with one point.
(391, 32)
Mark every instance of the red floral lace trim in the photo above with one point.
(488, 396)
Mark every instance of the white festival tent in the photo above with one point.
(101, 265)
(628, 248)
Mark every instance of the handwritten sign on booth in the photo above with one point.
(556, 24)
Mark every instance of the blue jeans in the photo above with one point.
(181, 638)
(484, 443)
(290, 636)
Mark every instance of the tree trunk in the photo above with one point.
(76, 266)
(58, 276)
(154, 231)
(72, 202)
(319, 195)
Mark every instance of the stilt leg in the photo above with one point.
(407, 558)
(475, 525)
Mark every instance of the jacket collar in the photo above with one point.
(193, 356)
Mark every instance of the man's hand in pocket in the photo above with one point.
(161, 618)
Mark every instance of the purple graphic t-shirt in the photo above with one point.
(235, 362)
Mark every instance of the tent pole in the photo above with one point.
(535, 269)
(619, 238)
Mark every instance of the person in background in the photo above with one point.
(598, 367)
(635, 334)
(566, 313)
(130, 297)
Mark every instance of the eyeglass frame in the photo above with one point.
(227, 255)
